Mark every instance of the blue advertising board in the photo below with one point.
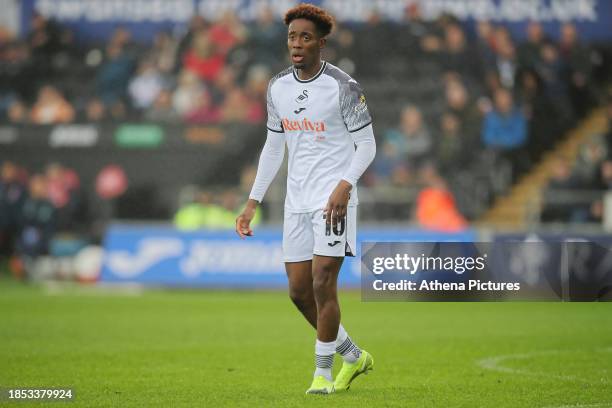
(96, 19)
(167, 257)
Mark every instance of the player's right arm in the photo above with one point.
(270, 160)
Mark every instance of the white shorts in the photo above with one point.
(305, 234)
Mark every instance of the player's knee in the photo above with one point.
(323, 282)
(300, 298)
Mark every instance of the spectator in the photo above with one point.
(485, 40)
(590, 158)
(203, 58)
(266, 39)
(37, 220)
(431, 43)
(204, 111)
(17, 69)
(95, 110)
(457, 56)
(17, 112)
(12, 196)
(596, 212)
(204, 213)
(197, 24)
(505, 127)
(530, 92)
(116, 111)
(258, 77)
(188, 95)
(224, 83)
(389, 168)
(63, 191)
(529, 52)
(544, 128)
(452, 152)
(459, 104)
(503, 68)
(162, 109)
(593, 211)
(608, 136)
(412, 139)
(340, 49)
(6, 37)
(44, 41)
(551, 69)
(413, 30)
(145, 85)
(51, 107)
(58, 189)
(375, 39)
(605, 176)
(239, 107)
(114, 74)
(504, 132)
(435, 205)
(560, 184)
(193, 215)
(578, 69)
(228, 32)
(164, 53)
(122, 38)
(562, 177)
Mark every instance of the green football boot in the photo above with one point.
(350, 371)
(320, 385)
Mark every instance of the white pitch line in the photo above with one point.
(496, 364)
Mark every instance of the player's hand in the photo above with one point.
(243, 222)
(338, 202)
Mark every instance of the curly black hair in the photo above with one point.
(321, 18)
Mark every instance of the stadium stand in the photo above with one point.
(473, 113)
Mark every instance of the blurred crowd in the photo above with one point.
(462, 116)
(215, 207)
(576, 191)
(33, 207)
(37, 206)
(499, 103)
(214, 72)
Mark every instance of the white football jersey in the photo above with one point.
(317, 117)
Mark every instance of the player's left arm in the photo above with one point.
(359, 124)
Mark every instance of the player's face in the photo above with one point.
(304, 43)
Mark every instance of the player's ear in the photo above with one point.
(322, 42)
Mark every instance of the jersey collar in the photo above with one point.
(323, 65)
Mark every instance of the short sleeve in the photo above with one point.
(353, 106)
(274, 122)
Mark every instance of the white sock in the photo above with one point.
(342, 335)
(345, 346)
(324, 358)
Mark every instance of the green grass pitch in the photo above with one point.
(253, 349)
